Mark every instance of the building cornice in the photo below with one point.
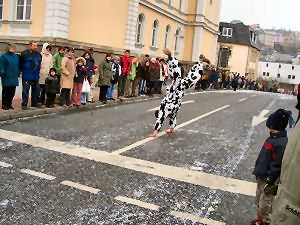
(178, 19)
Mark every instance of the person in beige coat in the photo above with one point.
(68, 70)
(46, 65)
(286, 207)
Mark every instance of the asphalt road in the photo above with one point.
(99, 166)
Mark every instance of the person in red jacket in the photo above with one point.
(125, 63)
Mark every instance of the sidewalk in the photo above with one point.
(33, 111)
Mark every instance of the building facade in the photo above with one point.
(188, 27)
(280, 72)
(238, 49)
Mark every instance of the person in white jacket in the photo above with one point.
(175, 92)
(46, 65)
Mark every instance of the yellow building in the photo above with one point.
(238, 49)
(187, 27)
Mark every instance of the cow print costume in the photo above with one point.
(175, 91)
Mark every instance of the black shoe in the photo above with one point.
(38, 105)
(24, 107)
(5, 107)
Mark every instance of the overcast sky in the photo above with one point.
(267, 13)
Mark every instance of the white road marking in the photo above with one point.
(253, 96)
(38, 174)
(243, 99)
(4, 164)
(137, 203)
(183, 103)
(260, 118)
(176, 173)
(194, 218)
(80, 186)
(162, 133)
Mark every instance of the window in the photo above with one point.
(224, 54)
(23, 10)
(154, 33)
(293, 77)
(279, 66)
(140, 29)
(227, 32)
(253, 36)
(293, 67)
(264, 73)
(268, 74)
(267, 65)
(289, 76)
(176, 39)
(1, 9)
(167, 36)
(180, 5)
(278, 75)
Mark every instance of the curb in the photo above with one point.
(59, 109)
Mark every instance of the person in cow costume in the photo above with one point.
(171, 103)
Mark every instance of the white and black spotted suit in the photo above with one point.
(175, 91)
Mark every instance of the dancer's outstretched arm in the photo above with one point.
(193, 76)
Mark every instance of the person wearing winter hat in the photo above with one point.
(268, 164)
(105, 75)
(51, 87)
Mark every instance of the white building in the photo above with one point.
(283, 73)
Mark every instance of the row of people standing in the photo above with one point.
(130, 73)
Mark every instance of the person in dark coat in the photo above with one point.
(298, 104)
(30, 65)
(268, 164)
(152, 76)
(9, 73)
(235, 82)
(51, 87)
(90, 72)
(80, 76)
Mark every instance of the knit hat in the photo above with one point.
(117, 58)
(279, 120)
(81, 59)
(52, 69)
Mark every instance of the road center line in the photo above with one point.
(141, 142)
(176, 173)
(137, 203)
(195, 218)
(38, 174)
(80, 186)
(6, 165)
(243, 99)
(183, 103)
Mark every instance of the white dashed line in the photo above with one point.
(181, 174)
(183, 103)
(80, 186)
(4, 164)
(38, 174)
(195, 218)
(243, 99)
(137, 203)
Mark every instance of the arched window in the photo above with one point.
(140, 29)
(180, 5)
(154, 33)
(167, 36)
(177, 39)
(210, 9)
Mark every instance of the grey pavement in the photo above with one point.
(224, 143)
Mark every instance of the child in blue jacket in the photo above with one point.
(268, 164)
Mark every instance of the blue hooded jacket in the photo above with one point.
(30, 63)
(9, 69)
